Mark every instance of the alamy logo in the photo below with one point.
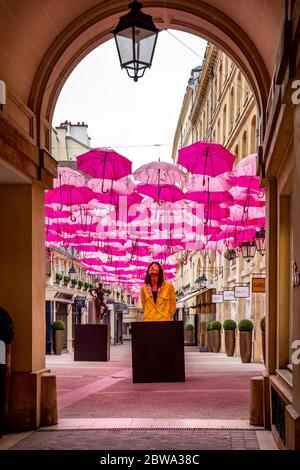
(296, 94)
(2, 352)
(296, 353)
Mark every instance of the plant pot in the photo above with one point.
(216, 340)
(58, 338)
(245, 345)
(229, 342)
(189, 336)
(263, 345)
(209, 341)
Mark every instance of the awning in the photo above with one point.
(190, 299)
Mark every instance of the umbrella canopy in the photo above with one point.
(246, 166)
(105, 164)
(69, 195)
(215, 184)
(159, 173)
(206, 158)
(67, 175)
(122, 186)
(164, 192)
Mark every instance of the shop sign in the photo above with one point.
(217, 298)
(258, 284)
(228, 295)
(241, 292)
(79, 302)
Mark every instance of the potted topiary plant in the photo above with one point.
(215, 328)
(189, 333)
(209, 337)
(58, 336)
(245, 328)
(263, 337)
(229, 331)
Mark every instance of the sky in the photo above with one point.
(137, 119)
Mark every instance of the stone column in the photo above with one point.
(271, 297)
(22, 293)
(296, 254)
(292, 412)
(284, 283)
(271, 275)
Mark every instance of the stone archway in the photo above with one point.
(197, 17)
(40, 44)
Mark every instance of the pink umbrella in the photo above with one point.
(122, 186)
(52, 237)
(112, 197)
(249, 201)
(159, 173)
(104, 164)
(92, 261)
(206, 158)
(56, 214)
(208, 196)
(164, 192)
(87, 248)
(216, 184)
(210, 211)
(252, 183)
(69, 195)
(246, 166)
(68, 176)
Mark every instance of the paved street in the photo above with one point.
(100, 407)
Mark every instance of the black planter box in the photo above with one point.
(2, 397)
(91, 343)
(158, 352)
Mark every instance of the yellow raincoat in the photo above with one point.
(165, 306)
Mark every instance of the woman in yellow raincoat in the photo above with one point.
(157, 295)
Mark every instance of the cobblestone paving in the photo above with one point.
(215, 387)
(146, 439)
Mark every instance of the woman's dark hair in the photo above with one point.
(161, 277)
(6, 327)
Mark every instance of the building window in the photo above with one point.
(224, 122)
(236, 151)
(231, 108)
(220, 79)
(238, 94)
(253, 143)
(226, 66)
(218, 131)
(244, 145)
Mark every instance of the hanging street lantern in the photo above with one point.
(136, 37)
(248, 250)
(202, 281)
(72, 272)
(260, 241)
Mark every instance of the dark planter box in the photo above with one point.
(158, 352)
(91, 343)
(2, 397)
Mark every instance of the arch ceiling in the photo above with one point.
(41, 42)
